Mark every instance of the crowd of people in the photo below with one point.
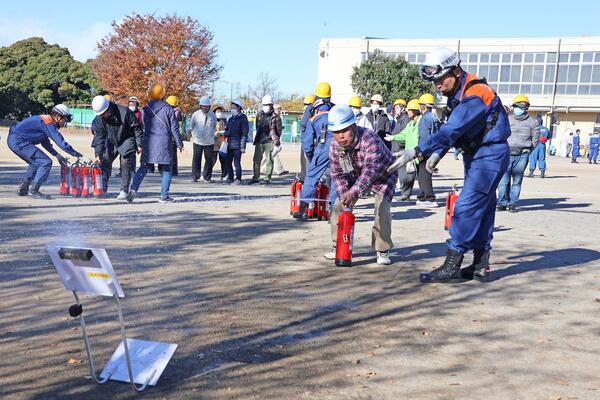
(359, 154)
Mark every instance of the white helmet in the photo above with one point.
(266, 100)
(100, 105)
(438, 63)
(205, 101)
(63, 111)
(340, 117)
(133, 98)
(238, 102)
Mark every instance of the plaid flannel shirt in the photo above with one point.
(370, 159)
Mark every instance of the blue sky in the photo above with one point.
(282, 38)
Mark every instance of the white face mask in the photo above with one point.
(355, 110)
(219, 114)
(132, 108)
(266, 109)
(235, 111)
(375, 107)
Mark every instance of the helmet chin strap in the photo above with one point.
(456, 85)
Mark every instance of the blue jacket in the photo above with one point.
(304, 120)
(236, 132)
(314, 126)
(544, 132)
(428, 125)
(160, 127)
(469, 117)
(39, 129)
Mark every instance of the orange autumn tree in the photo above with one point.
(143, 49)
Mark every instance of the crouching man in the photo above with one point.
(359, 162)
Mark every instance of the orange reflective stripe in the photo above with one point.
(482, 91)
(47, 119)
(317, 114)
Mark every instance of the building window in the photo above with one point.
(536, 89)
(516, 57)
(515, 73)
(574, 57)
(528, 57)
(540, 57)
(588, 57)
(550, 69)
(484, 57)
(493, 74)
(495, 57)
(596, 74)
(551, 57)
(473, 57)
(573, 73)
(504, 73)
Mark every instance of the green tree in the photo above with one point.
(393, 78)
(34, 76)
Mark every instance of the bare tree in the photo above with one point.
(265, 84)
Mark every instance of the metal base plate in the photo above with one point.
(146, 358)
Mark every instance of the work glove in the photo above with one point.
(84, 160)
(389, 138)
(61, 160)
(405, 157)
(243, 150)
(276, 150)
(432, 161)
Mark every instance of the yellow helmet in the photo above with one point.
(172, 101)
(323, 90)
(156, 92)
(402, 102)
(413, 105)
(310, 99)
(426, 98)
(108, 97)
(354, 101)
(378, 98)
(521, 98)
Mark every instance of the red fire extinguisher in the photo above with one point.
(86, 178)
(76, 181)
(97, 180)
(323, 206)
(296, 189)
(450, 200)
(345, 237)
(311, 211)
(65, 176)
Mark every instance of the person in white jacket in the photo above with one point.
(202, 126)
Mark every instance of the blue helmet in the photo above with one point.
(340, 117)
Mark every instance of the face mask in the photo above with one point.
(375, 107)
(518, 111)
(235, 111)
(132, 108)
(219, 114)
(266, 109)
(355, 111)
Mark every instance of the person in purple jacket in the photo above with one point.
(40, 129)
(160, 127)
(359, 162)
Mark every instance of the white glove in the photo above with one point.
(407, 156)
(389, 138)
(276, 150)
(432, 161)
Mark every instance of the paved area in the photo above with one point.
(259, 314)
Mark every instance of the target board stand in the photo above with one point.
(88, 270)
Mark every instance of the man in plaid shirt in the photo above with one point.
(359, 162)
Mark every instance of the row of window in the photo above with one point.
(514, 58)
(509, 88)
(536, 73)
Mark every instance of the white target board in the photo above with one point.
(86, 270)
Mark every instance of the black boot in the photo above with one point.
(301, 215)
(542, 174)
(448, 272)
(24, 188)
(34, 192)
(480, 269)
(530, 173)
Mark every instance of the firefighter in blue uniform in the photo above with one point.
(40, 129)
(477, 124)
(316, 142)
(538, 155)
(594, 147)
(308, 102)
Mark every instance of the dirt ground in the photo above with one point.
(258, 313)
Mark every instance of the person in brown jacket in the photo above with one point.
(220, 138)
(276, 132)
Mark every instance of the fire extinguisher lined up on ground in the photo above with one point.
(97, 180)
(345, 238)
(322, 201)
(65, 179)
(295, 190)
(76, 179)
(86, 180)
(451, 198)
